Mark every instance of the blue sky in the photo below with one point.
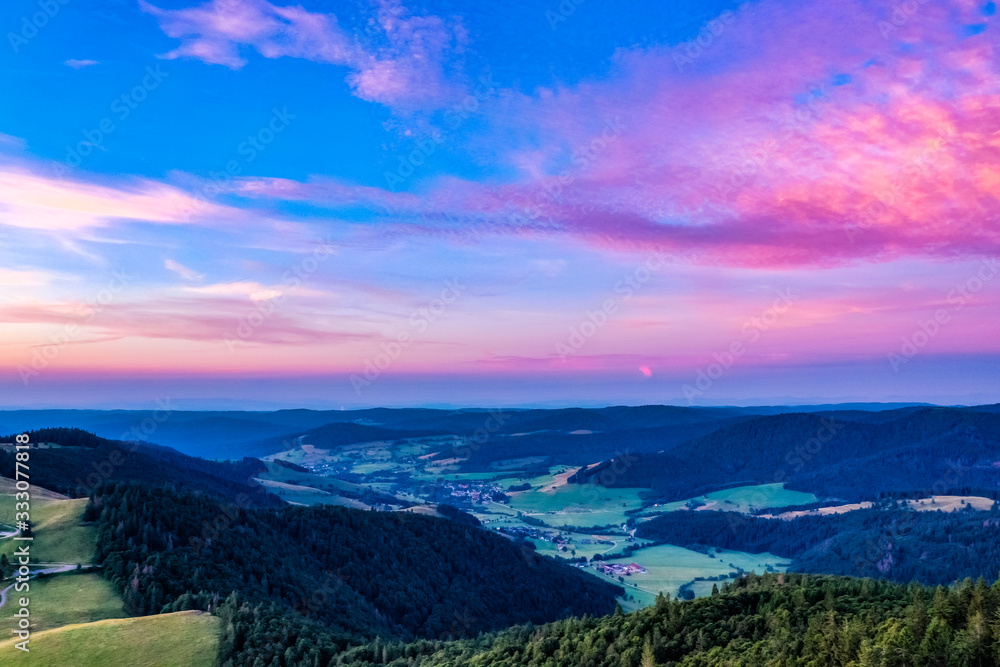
(194, 194)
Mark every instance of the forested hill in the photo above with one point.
(774, 620)
(902, 545)
(338, 576)
(74, 462)
(932, 449)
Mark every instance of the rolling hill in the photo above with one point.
(925, 449)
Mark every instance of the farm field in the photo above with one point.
(66, 599)
(578, 505)
(743, 499)
(279, 473)
(307, 495)
(306, 488)
(951, 503)
(670, 567)
(180, 639)
(463, 476)
(369, 468)
(820, 511)
(577, 547)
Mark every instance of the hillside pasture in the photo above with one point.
(65, 599)
(181, 639)
(57, 525)
(742, 499)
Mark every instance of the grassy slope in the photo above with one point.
(745, 499)
(307, 488)
(181, 639)
(307, 495)
(59, 537)
(579, 505)
(65, 599)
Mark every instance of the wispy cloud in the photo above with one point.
(181, 270)
(197, 319)
(401, 62)
(35, 201)
(25, 277)
(79, 64)
(777, 152)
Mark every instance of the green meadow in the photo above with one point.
(583, 505)
(65, 599)
(670, 567)
(743, 499)
(181, 639)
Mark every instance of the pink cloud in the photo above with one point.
(781, 144)
(402, 62)
(197, 319)
(35, 201)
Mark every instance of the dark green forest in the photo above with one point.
(343, 576)
(895, 544)
(84, 461)
(758, 621)
(316, 586)
(930, 451)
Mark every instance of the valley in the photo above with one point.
(591, 524)
(440, 516)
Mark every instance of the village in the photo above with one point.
(620, 569)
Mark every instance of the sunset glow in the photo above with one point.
(403, 204)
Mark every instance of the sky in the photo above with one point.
(362, 203)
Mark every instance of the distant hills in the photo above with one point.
(319, 585)
(234, 434)
(845, 455)
(75, 462)
(675, 452)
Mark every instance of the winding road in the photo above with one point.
(47, 568)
